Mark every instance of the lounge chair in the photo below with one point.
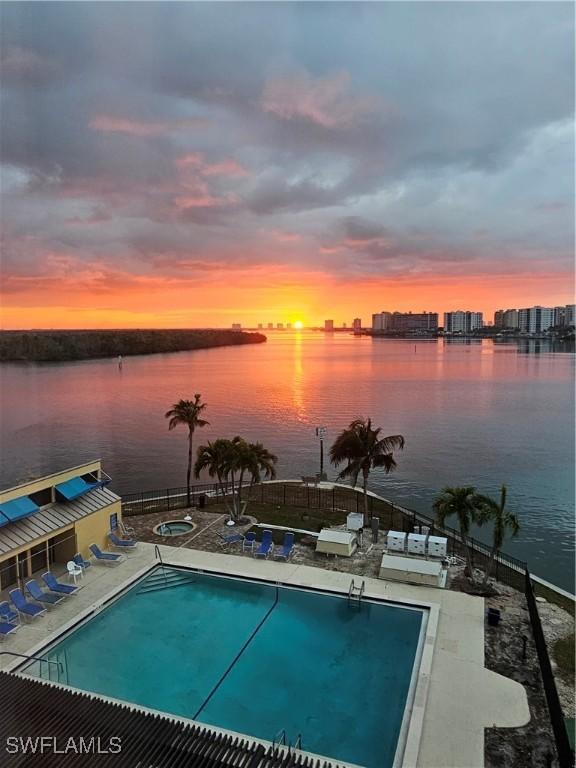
(7, 629)
(7, 614)
(233, 538)
(266, 546)
(126, 530)
(80, 562)
(23, 607)
(249, 541)
(36, 593)
(55, 586)
(118, 543)
(287, 547)
(103, 557)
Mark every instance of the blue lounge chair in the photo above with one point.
(6, 628)
(80, 562)
(233, 538)
(249, 541)
(121, 543)
(106, 558)
(266, 546)
(23, 607)
(36, 593)
(55, 586)
(287, 547)
(7, 614)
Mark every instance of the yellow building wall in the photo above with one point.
(94, 528)
(47, 482)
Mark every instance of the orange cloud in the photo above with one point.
(142, 128)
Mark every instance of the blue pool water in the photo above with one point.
(316, 666)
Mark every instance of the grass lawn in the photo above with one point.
(563, 652)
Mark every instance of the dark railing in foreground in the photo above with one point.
(506, 569)
(563, 748)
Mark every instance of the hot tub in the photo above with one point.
(173, 528)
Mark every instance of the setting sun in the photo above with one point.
(298, 324)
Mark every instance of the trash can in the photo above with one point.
(202, 501)
(493, 617)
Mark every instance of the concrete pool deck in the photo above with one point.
(454, 700)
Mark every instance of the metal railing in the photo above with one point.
(557, 720)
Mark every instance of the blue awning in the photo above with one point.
(73, 489)
(16, 509)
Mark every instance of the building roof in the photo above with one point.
(52, 517)
(33, 708)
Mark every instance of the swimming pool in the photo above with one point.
(255, 658)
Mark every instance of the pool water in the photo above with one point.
(314, 665)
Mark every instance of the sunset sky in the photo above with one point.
(198, 164)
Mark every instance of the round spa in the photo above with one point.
(173, 528)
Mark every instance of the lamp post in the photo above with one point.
(321, 433)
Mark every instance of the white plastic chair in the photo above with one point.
(74, 570)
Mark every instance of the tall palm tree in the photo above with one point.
(464, 503)
(363, 449)
(187, 412)
(495, 512)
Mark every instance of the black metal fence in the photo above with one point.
(338, 499)
(563, 748)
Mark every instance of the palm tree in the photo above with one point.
(363, 449)
(217, 458)
(255, 459)
(464, 503)
(494, 511)
(187, 412)
(229, 461)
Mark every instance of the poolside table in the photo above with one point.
(336, 542)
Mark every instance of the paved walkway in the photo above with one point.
(455, 700)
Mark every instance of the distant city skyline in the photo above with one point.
(258, 162)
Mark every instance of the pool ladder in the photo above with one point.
(280, 740)
(355, 593)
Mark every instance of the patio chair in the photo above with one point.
(7, 628)
(74, 570)
(266, 546)
(7, 614)
(56, 586)
(36, 593)
(23, 607)
(249, 541)
(233, 538)
(103, 557)
(118, 543)
(79, 560)
(287, 547)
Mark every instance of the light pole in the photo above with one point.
(321, 432)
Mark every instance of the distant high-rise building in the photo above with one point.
(357, 324)
(381, 321)
(260, 326)
(535, 319)
(506, 318)
(414, 321)
(236, 326)
(280, 326)
(328, 325)
(462, 322)
(270, 326)
(564, 316)
(344, 325)
(288, 325)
